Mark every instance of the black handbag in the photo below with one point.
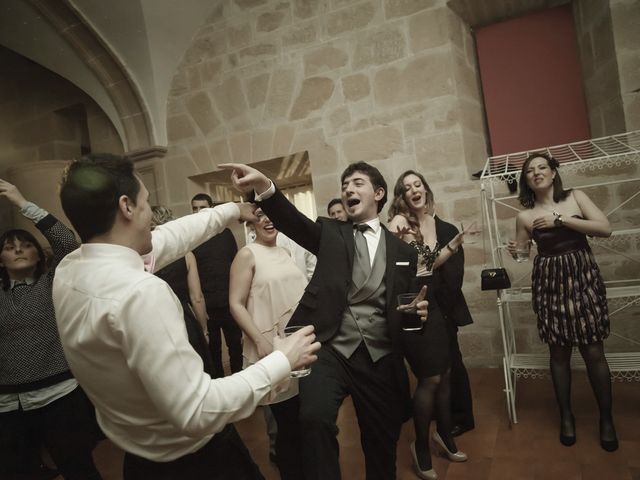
(494, 279)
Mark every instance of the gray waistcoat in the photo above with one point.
(364, 318)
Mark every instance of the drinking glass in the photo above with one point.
(407, 304)
(522, 251)
(304, 371)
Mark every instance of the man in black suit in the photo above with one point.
(214, 259)
(351, 301)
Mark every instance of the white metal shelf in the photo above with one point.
(603, 156)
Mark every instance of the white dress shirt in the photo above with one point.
(124, 337)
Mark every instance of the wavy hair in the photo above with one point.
(160, 215)
(526, 197)
(399, 204)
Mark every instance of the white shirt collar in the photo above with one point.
(374, 224)
(28, 281)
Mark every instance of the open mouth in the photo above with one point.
(416, 198)
(269, 228)
(352, 202)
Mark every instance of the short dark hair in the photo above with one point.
(333, 202)
(203, 196)
(376, 178)
(91, 188)
(10, 236)
(526, 197)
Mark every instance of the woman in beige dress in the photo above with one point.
(264, 290)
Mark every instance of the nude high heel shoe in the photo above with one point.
(454, 457)
(424, 474)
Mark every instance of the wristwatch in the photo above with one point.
(558, 220)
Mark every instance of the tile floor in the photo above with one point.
(530, 450)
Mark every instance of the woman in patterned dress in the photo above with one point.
(568, 292)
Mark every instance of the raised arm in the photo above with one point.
(60, 237)
(240, 279)
(284, 215)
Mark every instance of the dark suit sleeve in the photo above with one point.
(294, 224)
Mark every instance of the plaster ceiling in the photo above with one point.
(148, 37)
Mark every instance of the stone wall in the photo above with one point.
(390, 82)
(599, 67)
(625, 18)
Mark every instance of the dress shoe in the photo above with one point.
(424, 474)
(458, 430)
(568, 440)
(454, 457)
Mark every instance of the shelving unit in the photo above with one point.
(610, 166)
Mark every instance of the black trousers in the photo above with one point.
(377, 398)
(221, 321)
(461, 400)
(288, 438)
(224, 457)
(66, 427)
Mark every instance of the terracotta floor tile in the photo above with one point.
(549, 470)
(528, 450)
(511, 469)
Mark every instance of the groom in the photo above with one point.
(351, 301)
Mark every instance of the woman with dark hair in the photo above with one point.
(568, 292)
(183, 278)
(39, 398)
(432, 351)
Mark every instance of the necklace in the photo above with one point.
(553, 211)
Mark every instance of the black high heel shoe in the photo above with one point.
(609, 445)
(568, 440)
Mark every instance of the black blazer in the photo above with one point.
(325, 298)
(450, 276)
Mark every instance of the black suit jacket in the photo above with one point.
(325, 298)
(450, 276)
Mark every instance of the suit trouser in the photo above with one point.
(461, 400)
(66, 427)
(377, 398)
(221, 321)
(224, 457)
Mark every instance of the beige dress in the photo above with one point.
(276, 288)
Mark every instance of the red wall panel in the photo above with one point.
(532, 82)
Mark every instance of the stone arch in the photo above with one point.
(122, 90)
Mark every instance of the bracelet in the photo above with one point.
(451, 249)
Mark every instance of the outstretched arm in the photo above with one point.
(284, 215)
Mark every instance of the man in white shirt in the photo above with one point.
(124, 337)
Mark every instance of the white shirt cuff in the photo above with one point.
(277, 366)
(33, 212)
(266, 194)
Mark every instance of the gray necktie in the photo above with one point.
(362, 263)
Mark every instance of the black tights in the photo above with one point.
(599, 378)
(432, 395)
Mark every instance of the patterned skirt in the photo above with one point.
(569, 299)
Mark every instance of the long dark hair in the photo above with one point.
(399, 204)
(526, 197)
(10, 236)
